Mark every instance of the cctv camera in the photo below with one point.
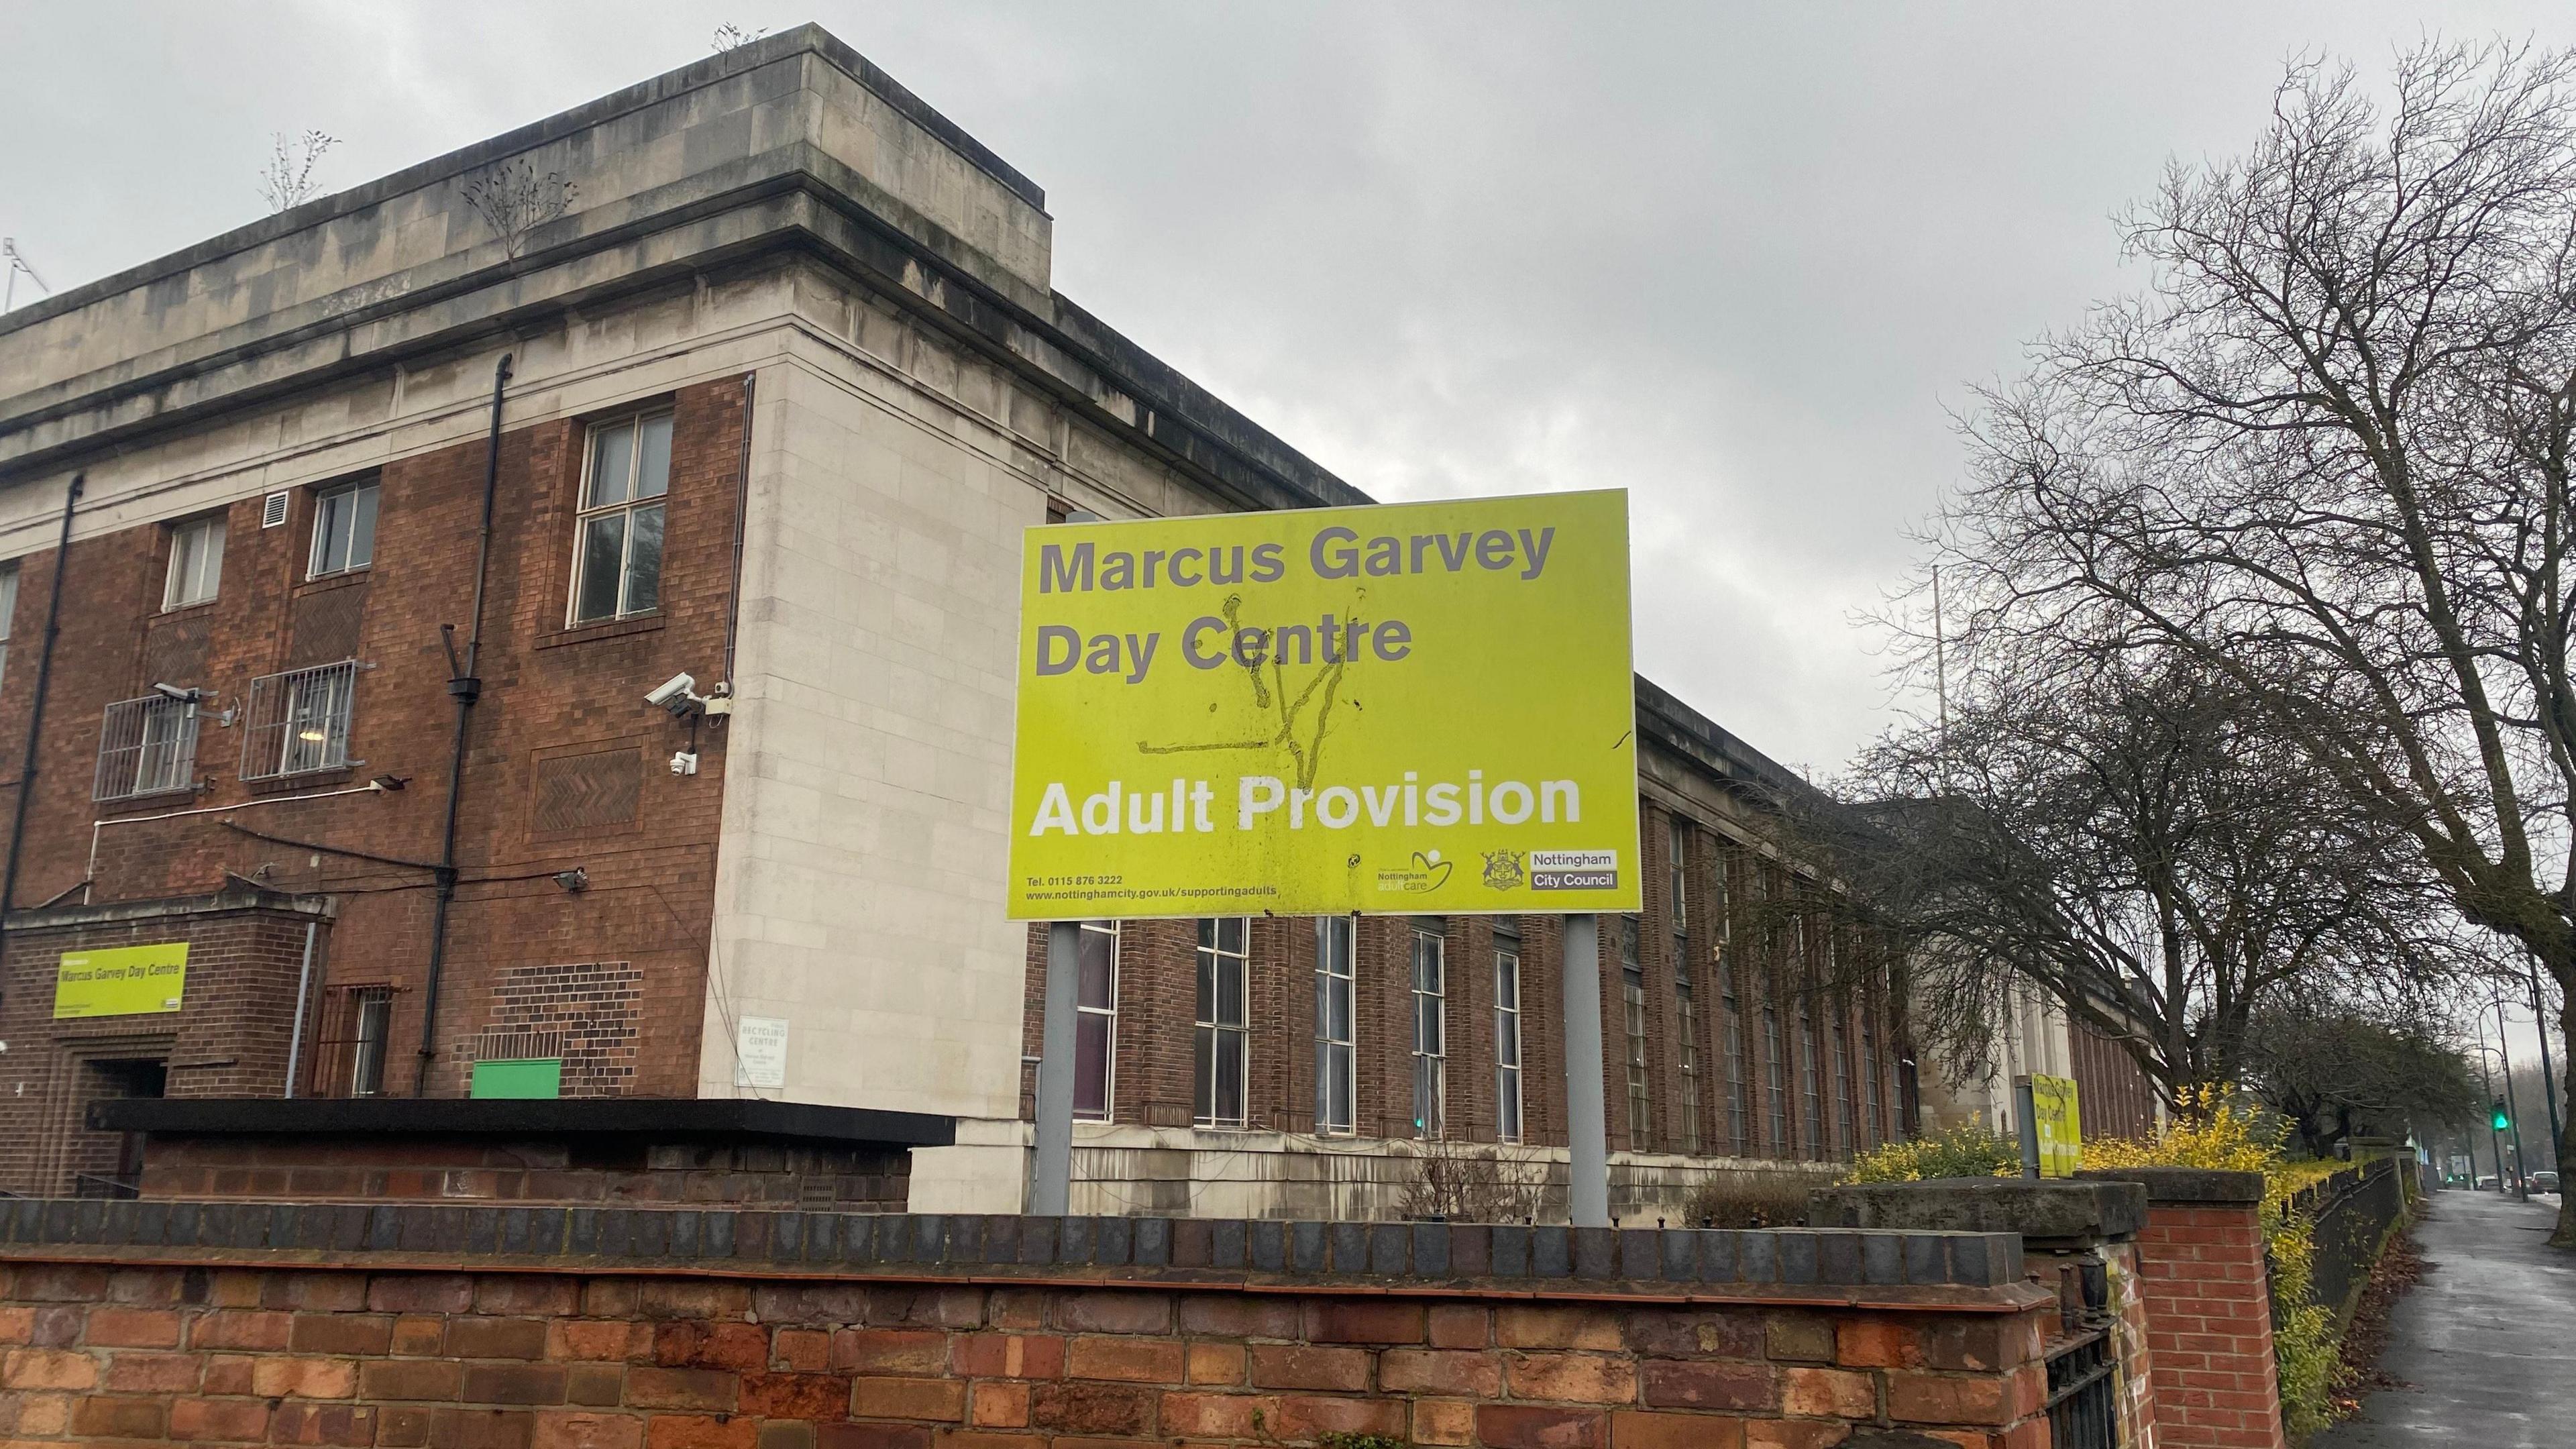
(174, 692)
(678, 694)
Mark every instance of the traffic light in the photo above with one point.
(2502, 1122)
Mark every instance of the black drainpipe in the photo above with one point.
(36, 708)
(465, 686)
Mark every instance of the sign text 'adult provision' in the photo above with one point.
(1408, 708)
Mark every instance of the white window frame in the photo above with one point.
(1430, 961)
(1686, 1014)
(1336, 1043)
(1509, 1123)
(360, 499)
(1632, 1000)
(1107, 1013)
(1872, 1098)
(1216, 962)
(370, 1035)
(628, 507)
(1677, 867)
(195, 572)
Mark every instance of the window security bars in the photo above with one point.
(349, 1050)
(1336, 1031)
(298, 721)
(1224, 1026)
(146, 746)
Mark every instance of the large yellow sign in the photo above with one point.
(1413, 708)
(121, 980)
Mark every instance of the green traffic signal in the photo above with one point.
(2502, 1122)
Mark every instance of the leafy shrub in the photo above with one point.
(1969, 1151)
(2214, 1129)
(1755, 1198)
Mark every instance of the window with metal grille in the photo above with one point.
(349, 1051)
(1507, 1035)
(1336, 1031)
(617, 561)
(1095, 1022)
(1224, 1028)
(196, 563)
(344, 529)
(145, 747)
(1632, 996)
(1430, 1032)
(298, 722)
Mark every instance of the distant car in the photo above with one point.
(2486, 1182)
(2544, 1182)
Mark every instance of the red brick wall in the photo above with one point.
(540, 1360)
(2209, 1327)
(548, 691)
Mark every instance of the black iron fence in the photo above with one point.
(2353, 1211)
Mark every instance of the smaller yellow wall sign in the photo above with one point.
(121, 981)
(2061, 1136)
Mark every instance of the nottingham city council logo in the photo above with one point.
(1502, 869)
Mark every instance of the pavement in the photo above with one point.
(2486, 1342)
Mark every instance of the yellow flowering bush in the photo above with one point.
(1969, 1151)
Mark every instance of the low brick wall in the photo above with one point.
(2208, 1301)
(520, 1328)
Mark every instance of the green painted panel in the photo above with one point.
(531, 1077)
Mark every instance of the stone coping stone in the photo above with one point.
(2208, 1185)
(1795, 1261)
(2053, 1210)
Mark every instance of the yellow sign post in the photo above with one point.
(1416, 708)
(2061, 1138)
(121, 980)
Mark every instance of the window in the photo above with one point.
(1632, 996)
(374, 1010)
(1095, 1022)
(1732, 1027)
(1224, 1030)
(1336, 1036)
(8, 611)
(1430, 1031)
(1775, 1079)
(298, 721)
(617, 569)
(344, 529)
(1676, 858)
(1685, 1002)
(145, 747)
(196, 563)
(1809, 1119)
(1871, 1116)
(1507, 1034)
(1686, 1014)
(1835, 1034)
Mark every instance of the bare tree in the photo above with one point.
(2328, 453)
(2334, 1069)
(1457, 1183)
(513, 198)
(2120, 831)
(286, 182)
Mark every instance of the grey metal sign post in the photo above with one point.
(1051, 1178)
(1586, 1135)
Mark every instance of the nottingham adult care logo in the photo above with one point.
(1574, 870)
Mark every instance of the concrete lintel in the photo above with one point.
(2187, 1185)
(2046, 1210)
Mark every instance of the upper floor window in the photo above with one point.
(196, 563)
(617, 565)
(1430, 1031)
(1507, 1035)
(299, 721)
(1677, 864)
(344, 529)
(147, 746)
(1224, 1022)
(1336, 1027)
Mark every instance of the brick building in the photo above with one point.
(351, 703)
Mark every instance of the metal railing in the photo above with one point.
(146, 746)
(298, 721)
(2083, 1398)
(2351, 1212)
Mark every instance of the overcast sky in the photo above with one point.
(1740, 260)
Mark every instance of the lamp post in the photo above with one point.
(2512, 1108)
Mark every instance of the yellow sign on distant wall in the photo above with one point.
(121, 980)
(1410, 708)
(2061, 1135)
